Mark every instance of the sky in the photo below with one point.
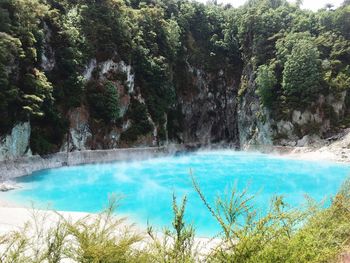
(307, 4)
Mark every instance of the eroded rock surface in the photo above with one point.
(8, 186)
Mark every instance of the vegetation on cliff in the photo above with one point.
(294, 55)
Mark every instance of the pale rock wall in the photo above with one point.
(16, 144)
(154, 132)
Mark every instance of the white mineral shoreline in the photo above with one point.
(13, 218)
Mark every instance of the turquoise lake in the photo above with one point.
(147, 186)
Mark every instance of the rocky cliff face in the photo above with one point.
(209, 105)
(214, 107)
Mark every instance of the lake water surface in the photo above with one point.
(147, 186)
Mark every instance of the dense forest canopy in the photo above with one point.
(294, 55)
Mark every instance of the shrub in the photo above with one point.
(140, 124)
(177, 245)
(266, 82)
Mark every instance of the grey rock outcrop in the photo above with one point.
(296, 128)
(108, 67)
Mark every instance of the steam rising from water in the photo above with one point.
(148, 185)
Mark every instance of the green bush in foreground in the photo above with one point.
(284, 234)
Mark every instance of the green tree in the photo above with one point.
(301, 74)
(107, 28)
(285, 45)
(112, 101)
